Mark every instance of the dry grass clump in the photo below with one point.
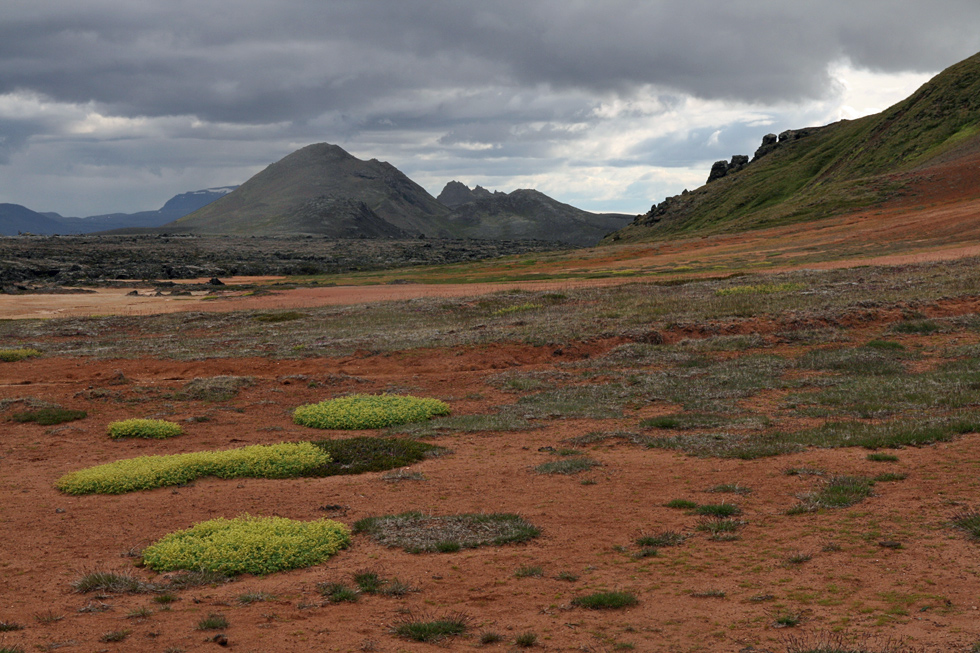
(48, 416)
(418, 533)
(246, 544)
(424, 628)
(112, 582)
(838, 492)
(215, 388)
(368, 412)
(368, 454)
(567, 466)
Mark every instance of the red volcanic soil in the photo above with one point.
(703, 595)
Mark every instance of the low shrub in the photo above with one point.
(369, 454)
(720, 530)
(419, 533)
(246, 544)
(48, 416)
(605, 600)
(337, 593)
(368, 412)
(567, 466)
(283, 460)
(14, 355)
(282, 316)
(143, 428)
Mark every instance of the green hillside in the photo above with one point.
(840, 167)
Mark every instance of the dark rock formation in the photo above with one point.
(723, 168)
(457, 193)
(769, 143)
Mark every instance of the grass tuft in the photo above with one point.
(837, 492)
(214, 621)
(567, 466)
(681, 504)
(338, 593)
(605, 600)
(662, 539)
(112, 583)
(968, 521)
(426, 629)
(719, 510)
(114, 636)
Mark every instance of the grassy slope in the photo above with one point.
(841, 167)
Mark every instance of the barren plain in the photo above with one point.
(753, 371)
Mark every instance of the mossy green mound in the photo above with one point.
(158, 429)
(368, 412)
(14, 355)
(284, 460)
(246, 544)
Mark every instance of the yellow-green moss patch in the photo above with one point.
(143, 428)
(246, 544)
(13, 355)
(284, 460)
(368, 411)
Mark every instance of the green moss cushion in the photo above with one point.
(246, 544)
(368, 412)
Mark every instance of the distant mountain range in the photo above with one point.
(16, 219)
(323, 190)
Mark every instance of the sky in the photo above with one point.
(610, 105)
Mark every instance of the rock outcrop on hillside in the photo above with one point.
(457, 193)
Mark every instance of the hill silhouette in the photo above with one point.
(526, 214)
(818, 172)
(312, 189)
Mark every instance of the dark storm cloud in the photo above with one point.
(292, 60)
(127, 99)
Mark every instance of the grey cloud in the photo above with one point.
(397, 79)
(291, 60)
